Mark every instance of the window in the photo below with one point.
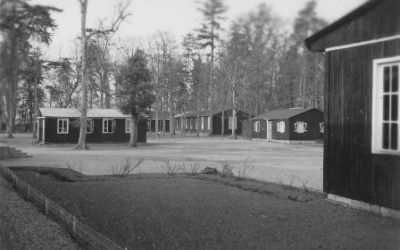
(386, 112)
(62, 126)
(280, 127)
(230, 122)
(187, 123)
(89, 126)
(128, 125)
(321, 127)
(257, 126)
(202, 123)
(109, 126)
(300, 127)
(209, 123)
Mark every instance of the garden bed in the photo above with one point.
(193, 212)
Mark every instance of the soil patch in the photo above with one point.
(182, 212)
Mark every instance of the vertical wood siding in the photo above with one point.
(350, 169)
(96, 137)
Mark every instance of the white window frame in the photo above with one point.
(90, 124)
(103, 126)
(300, 127)
(209, 123)
(128, 125)
(322, 127)
(257, 126)
(377, 106)
(62, 126)
(202, 123)
(280, 127)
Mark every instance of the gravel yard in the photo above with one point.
(23, 226)
(297, 165)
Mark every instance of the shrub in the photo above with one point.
(169, 168)
(226, 170)
(126, 168)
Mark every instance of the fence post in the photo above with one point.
(73, 224)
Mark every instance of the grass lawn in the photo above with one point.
(203, 212)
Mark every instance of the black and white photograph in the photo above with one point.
(199, 124)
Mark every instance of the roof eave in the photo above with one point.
(338, 23)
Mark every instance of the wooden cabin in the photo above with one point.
(289, 125)
(362, 106)
(186, 123)
(226, 115)
(56, 125)
(164, 119)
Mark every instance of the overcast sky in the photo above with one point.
(177, 16)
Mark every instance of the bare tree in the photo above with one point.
(212, 11)
(86, 34)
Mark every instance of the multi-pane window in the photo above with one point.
(202, 123)
(280, 127)
(300, 127)
(386, 114)
(128, 126)
(109, 126)
(257, 126)
(62, 126)
(89, 127)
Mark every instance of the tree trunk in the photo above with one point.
(156, 125)
(107, 94)
(84, 101)
(134, 132)
(233, 123)
(223, 123)
(172, 124)
(36, 111)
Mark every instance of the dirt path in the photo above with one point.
(22, 226)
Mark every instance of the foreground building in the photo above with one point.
(289, 125)
(362, 106)
(57, 125)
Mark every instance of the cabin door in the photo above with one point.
(269, 130)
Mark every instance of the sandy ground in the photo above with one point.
(297, 165)
(23, 226)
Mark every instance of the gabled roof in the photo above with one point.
(282, 113)
(74, 113)
(345, 20)
(193, 114)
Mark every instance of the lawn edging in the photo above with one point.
(79, 231)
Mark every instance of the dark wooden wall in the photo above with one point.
(96, 137)
(313, 118)
(350, 169)
(217, 122)
(263, 129)
(278, 135)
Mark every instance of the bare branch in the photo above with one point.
(121, 16)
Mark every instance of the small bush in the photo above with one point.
(245, 171)
(193, 169)
(227, 170)
(170, 169)
(126, 168)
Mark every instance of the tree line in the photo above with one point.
(255, 65)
